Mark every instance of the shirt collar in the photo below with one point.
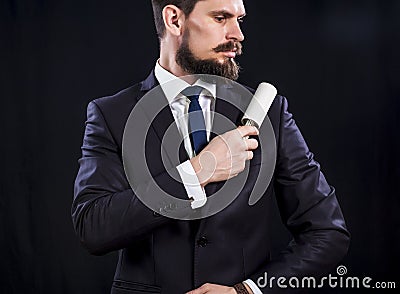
(172, 90)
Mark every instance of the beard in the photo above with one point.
(191, 64)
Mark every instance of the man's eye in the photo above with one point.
(219, 18)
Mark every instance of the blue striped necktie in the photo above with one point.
(196, 125)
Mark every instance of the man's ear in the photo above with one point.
(173, 19)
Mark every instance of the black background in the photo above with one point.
(336, 61)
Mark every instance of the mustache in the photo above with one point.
(229, 46)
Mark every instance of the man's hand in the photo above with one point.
(213, 289)
(217, 289)
(225, 156)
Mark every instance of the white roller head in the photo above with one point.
(260, 104)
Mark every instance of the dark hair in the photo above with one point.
(158, 5)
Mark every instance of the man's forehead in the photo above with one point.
(234, 7)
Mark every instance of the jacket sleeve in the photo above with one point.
(308, 207)
(106, 213)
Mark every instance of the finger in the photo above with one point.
(248, 131)
(250, 155)
(233, 175)
(201, 290)
(251, 144)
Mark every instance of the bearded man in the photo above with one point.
(229, 251)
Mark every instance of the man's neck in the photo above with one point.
(168, 62)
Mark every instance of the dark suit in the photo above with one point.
(163, 255)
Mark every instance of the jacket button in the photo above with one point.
(202, 242)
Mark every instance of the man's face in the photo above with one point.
(212, 37)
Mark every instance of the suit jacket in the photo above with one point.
(163, 255)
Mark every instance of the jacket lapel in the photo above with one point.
(227, 106)
(163, 120)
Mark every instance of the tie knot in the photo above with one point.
(192, 92)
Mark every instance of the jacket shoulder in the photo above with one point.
(128, 95)
(115, 109)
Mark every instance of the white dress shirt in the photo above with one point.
(179, 105)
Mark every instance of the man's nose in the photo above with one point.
(234, 31)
